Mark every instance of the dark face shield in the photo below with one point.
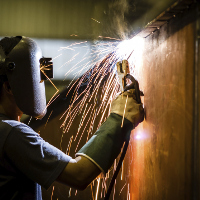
(46, 68)
(22, 67)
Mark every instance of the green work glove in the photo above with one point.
(105, 145)
(126, 106)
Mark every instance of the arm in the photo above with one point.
(99, 153)
(79, 173)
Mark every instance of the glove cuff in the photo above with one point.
(105, 145)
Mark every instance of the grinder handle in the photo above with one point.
(134, 85)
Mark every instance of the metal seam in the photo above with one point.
(195, 156)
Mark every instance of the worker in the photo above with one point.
(27, 162)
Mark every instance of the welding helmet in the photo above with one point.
(21, 60)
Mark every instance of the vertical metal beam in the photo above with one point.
(195, 167)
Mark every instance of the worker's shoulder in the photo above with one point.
(12, 131)
(14, 125)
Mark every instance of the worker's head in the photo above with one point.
(20, 66)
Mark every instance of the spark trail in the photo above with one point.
(90, 103)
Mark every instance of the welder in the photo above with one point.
(27, 162)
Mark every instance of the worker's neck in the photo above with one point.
(8, 105)
(12, 114)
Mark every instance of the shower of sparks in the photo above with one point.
(91, 102)
(93, 93)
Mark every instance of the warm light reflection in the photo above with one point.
(136, 157)
(140, 135)
(126, 47)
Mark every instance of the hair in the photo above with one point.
(3, 78)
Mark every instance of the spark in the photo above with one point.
(71, 45)
(84, 129)
(97, 191)
(74, 67)
(71, 120)
(104, 184)
(48, 119)
(57, 56)
(128, 193)
(104, 111)
(69, 60)
(69, 145)
(52, 193)
(52, 98)
(57, 90)
(109, 38)
(95, 20)
(92, 191)
(122, 189)
(30, 120)
(114, 190)
(81, 121)
(122, 170)
(70, 192)
(74, 35)
(124, 111)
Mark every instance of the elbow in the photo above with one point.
(75, 183)
(79, 174)
(81, 183)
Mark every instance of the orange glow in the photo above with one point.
(137, 141)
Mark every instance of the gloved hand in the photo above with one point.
(105, 145)
(134, 111)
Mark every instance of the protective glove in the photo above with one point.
(126, 106)
(105, 145)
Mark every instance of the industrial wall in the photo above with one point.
(161, 162)
(77, 19)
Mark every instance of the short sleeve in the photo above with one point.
(34, 157)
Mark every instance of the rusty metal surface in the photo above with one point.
(175, 9)
(162, 164)
(196, 144)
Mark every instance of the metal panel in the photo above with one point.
(162, 166)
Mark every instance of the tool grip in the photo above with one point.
(134, 85)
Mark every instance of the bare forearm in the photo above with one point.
(79, 173)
